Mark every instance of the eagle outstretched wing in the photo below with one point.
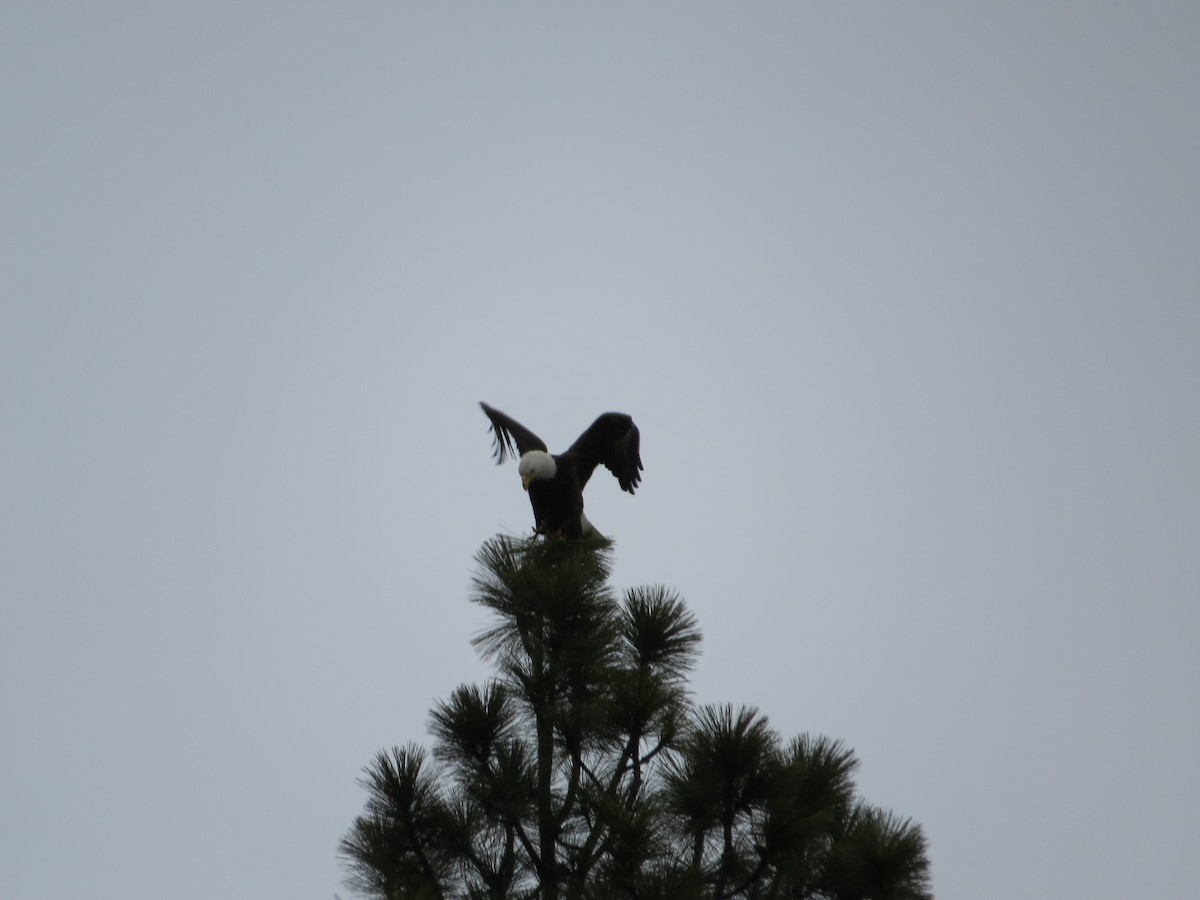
(612, 441)
(507, 432)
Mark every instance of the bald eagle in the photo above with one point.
(555, 482)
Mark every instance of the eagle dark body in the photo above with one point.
(558, 502)
(556, 481)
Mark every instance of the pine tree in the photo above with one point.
(582, 770)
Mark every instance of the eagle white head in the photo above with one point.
(536, 465)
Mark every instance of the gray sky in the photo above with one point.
(904, 298)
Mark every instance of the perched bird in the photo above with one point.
(555, 482)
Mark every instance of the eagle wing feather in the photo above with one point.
(614, 442)
(510, 437)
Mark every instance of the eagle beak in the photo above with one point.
(525, 479)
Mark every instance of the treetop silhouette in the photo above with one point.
(583, 769)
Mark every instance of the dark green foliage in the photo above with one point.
(877, 855)
(583, 771)
(398, 848)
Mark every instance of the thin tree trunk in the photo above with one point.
(547, 824)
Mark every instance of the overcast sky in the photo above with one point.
(905, 299)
